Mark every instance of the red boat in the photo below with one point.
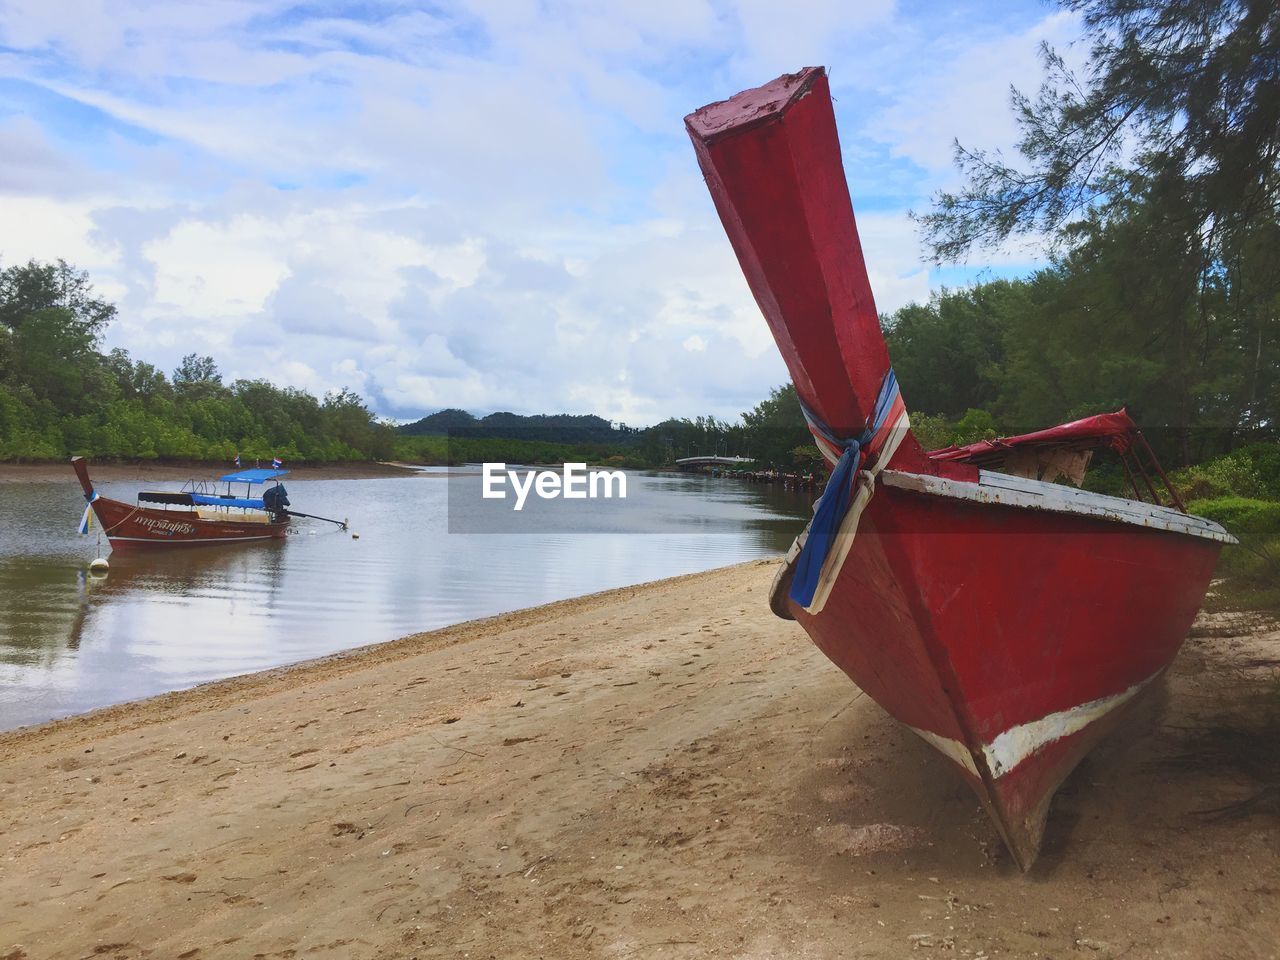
(199, 515)
(1005, 618)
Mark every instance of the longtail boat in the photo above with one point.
(204, 512)
(1008, 619)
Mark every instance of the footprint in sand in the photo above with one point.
(867, 838)
(845, 794)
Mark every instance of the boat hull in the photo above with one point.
(129, 527)
(1009, 638)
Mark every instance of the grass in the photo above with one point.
(1250, 572)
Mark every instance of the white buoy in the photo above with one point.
(355, 536)
(98, 565)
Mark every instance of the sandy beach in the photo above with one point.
(659, 771)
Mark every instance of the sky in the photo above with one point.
(486, 205)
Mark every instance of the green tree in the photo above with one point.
(60, 395)
(947, 353)
(53, 356)
(775, 427)
(1177, 93)
(197, 376)
(1156, 175)
(34, 287)
(349, 421)
(141, 379)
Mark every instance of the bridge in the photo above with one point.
(691, 463)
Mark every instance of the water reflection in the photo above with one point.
(163, 621)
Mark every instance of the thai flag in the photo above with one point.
(276, 463)
(237, 460)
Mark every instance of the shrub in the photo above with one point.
(1108, 478)
(1265, 459)
(1242, 516)
(1249, 471)
(1251, 569)
(975, 425)
(933, 431)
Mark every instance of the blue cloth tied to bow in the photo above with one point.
(834, 503)
(87, 518)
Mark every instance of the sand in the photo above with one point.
(147, 472)
(661, 771)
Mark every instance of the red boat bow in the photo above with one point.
(1005, 619)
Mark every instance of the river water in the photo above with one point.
(168, 620)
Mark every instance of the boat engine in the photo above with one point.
(275, 499)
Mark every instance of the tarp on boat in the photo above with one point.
(1115, 430)
(165, 496)
(213, 500)
(253, 476)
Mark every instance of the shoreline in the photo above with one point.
(661, 770)
(359, 657)
(148, 472)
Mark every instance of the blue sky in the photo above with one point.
(486, 205)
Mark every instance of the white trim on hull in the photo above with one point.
(1000, 489)
(1013, 746)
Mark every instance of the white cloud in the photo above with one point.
(964, 94)
(695, 344)
(45, 228)
(490, 205)
(33, 166)
(892, 253)
(208, 271)
(780, 37)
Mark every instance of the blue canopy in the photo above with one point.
(253, 476)
(203, 499)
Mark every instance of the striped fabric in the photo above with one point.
(86, 521)
(835, 516)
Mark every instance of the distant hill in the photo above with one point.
(555, 428)
(439, 423)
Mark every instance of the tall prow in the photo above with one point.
(771, 159)
(82, 473)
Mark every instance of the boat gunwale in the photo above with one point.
(192, 514)
(1002, 489)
